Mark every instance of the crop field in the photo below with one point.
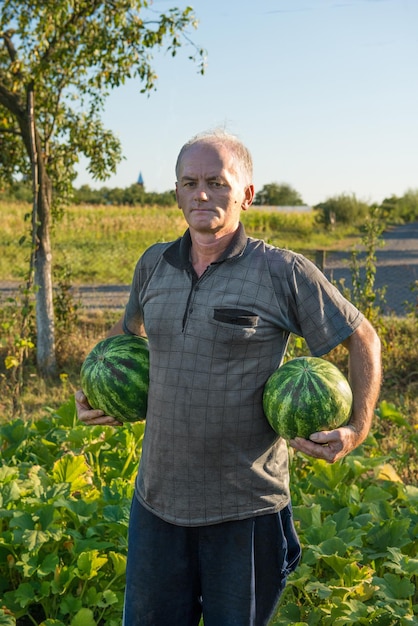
(101, 244)
(65, 488)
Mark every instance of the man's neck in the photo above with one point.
(207, 248)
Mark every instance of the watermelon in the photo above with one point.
(115, 377)
(306, 395)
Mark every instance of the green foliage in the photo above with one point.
(58, 63)
(71, 55)
(66, 307)
(276, 224)
(342, 209)
(65, 491)
(403, 209)
(18, 341)
(362, 292)
(357, 523)
(87, 237)
(134, 195)
(275, 194)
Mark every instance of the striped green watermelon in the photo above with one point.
(115, 377)
(306, 395)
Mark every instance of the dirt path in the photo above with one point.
(396, 269)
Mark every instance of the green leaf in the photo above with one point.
(73, 470)
(393, 587)
(337, 563)
(402, 563)
(308, 516)
(374, 493)
(83, 511)
(48, 565)
(67, 414)
(34, 539)
(10, 493)
(328, 476)
(89, 563)
(24, 594)
(319, 534)
(84, 617)
(392, 533)
(70, 604)
(119, 563)
(108, 598)
(388, 411)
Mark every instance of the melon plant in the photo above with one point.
(115, 377)
(306, 395)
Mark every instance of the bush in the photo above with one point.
(342, 209)
(404, 209)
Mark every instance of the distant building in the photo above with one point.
(140, 180)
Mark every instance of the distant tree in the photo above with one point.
(58, 63)
(275, 194)
(86, 195)
(404, 208)
(342, 209)
(134, 195)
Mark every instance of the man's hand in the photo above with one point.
(365, 376)
(89, 416)
(330, 445)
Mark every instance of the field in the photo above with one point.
(65, 488)
(101, 244)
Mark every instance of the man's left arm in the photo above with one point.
(365, 379)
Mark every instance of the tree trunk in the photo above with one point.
(42, 254)
(41, 258)
(45, 326)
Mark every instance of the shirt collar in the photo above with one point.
(178, 254)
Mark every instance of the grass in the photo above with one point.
(98, 244)
(101, 244)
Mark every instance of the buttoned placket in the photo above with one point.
(196, 282)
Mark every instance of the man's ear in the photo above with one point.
(248, 197)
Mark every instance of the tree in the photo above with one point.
(58, 63)
(274, 194)
(403, 209)
(342, 209)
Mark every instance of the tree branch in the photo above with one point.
(7, 36)
(11, 101)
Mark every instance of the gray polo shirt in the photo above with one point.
(209, 454)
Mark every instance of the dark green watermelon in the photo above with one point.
(115, 377)
(306, 395)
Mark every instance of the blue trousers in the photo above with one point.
(233, 573)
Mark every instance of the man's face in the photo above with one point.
(211, 190)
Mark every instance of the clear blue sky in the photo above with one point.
(323, 92)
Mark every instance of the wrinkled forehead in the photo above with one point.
(208, 158)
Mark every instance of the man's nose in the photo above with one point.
(201, 194)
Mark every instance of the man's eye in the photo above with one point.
(189, 183)
(216, 184)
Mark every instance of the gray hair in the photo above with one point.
(219, 136)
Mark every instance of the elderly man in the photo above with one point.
(211, 529)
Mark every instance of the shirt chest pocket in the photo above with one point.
(236, 317)
(234, 325)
